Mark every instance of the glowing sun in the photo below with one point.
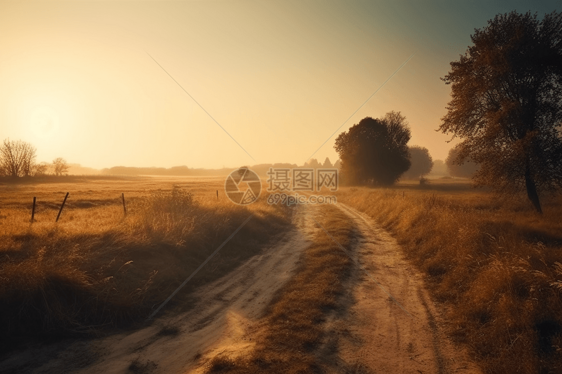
(44, 122)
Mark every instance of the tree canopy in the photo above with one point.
(506, 104)
(375, 151)
(421, 162)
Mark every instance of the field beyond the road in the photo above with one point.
(494, 263)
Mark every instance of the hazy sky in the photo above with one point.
(77, 79)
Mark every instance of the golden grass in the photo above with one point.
(294, 319)
(493, 262)
(97, 268)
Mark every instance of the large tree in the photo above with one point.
(17, 158)
(506, 103)
(375, 151)
(421, 162)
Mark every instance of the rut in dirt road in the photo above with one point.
(392, 325)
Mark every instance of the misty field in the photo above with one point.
(98, 269)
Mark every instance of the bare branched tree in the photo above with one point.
(41, 169)
(60, 166)
(17, 158)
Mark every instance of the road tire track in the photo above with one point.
(376, 335)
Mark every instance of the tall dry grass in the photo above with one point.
(493, 262)
(96, 268)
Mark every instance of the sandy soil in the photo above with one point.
(387, 323)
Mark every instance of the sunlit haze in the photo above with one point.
(82, 81)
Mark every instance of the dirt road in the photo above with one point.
(387, 325)
(392, 325)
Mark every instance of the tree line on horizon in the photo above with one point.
(260, 169)
(18, 159)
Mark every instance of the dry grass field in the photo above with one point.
(96, 268)
(493, 263)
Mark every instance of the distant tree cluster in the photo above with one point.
(506, 104)
(375, 151)
(313, 163)
(421, 163)
(60, 167)
(460, 168)
(260, 169)
(17, 159)
(439, 168)
(131, 170)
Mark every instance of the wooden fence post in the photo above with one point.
(124, 206)
(33, 209)
(62, 206)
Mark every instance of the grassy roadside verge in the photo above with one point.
(294, 319)
(95, 270)
(494, 263)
